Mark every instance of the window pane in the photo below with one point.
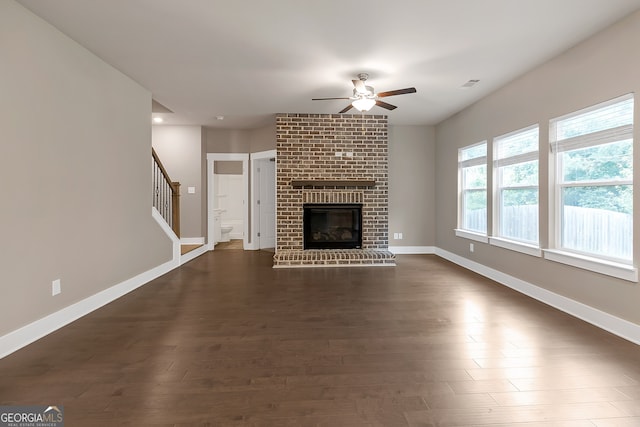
(474, 215)
(615, 198)
(598, 220)
(474, 177)
(519, 214)
(602, 162)
(476, 151)
(608, 117)
(520, 174)
(519, 143)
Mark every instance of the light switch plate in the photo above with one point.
(191, 190)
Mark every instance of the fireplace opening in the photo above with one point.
(332, 226)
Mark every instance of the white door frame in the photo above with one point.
(211, 193)
(254, 197)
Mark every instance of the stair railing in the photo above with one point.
(166, 194)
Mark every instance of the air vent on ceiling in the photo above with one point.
(470, 83)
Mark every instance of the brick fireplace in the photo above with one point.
(332, 159)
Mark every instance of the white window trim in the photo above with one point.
(518, 158)
(471, 235)
(597, 183)
(595, 107)
(558, 239)
(476, 161)
(602, 137)
(557, 253)
(534, 155)
(462, 164)
(597, 265)
(517, 246)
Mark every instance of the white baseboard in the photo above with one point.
(192, 240)
(193, 254)
(620, 327)
(169, 232)
(412, 250)
(24, 336)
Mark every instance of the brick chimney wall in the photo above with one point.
(332, 147)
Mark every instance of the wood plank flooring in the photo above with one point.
(225, 340)
(232, 244)
(188, 248)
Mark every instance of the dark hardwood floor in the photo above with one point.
(227, 340)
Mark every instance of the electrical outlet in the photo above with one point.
(55, 287)
(395, 236)
(399, 236)
(471, 247)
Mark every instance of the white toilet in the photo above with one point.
(225, 229)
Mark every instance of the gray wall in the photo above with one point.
(264, 138)
(411, 174)
(180, 150)
(240, 140)
(412, 185)
(228, 140)
(75, 159)
(601, 68)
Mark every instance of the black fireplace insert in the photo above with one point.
(332, 226)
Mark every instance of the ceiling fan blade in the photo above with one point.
(345, 109)
(397, 92)
(359, 85)
(326, 99)
(385, 105)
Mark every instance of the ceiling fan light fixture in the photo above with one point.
(364, 97)
(364, 104)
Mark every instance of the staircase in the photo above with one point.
(166, 194)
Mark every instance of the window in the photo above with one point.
(516, 182)
(472, 180)
(594, 181)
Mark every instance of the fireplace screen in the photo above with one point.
(332, 226)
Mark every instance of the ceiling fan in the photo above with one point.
(364, 97)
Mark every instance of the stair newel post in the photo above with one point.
(175, 207)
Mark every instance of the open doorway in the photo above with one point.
(228, 194)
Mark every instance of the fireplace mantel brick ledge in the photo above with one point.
(333, 258)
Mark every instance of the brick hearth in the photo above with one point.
(318, 149)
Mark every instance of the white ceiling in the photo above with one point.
(247, 60)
